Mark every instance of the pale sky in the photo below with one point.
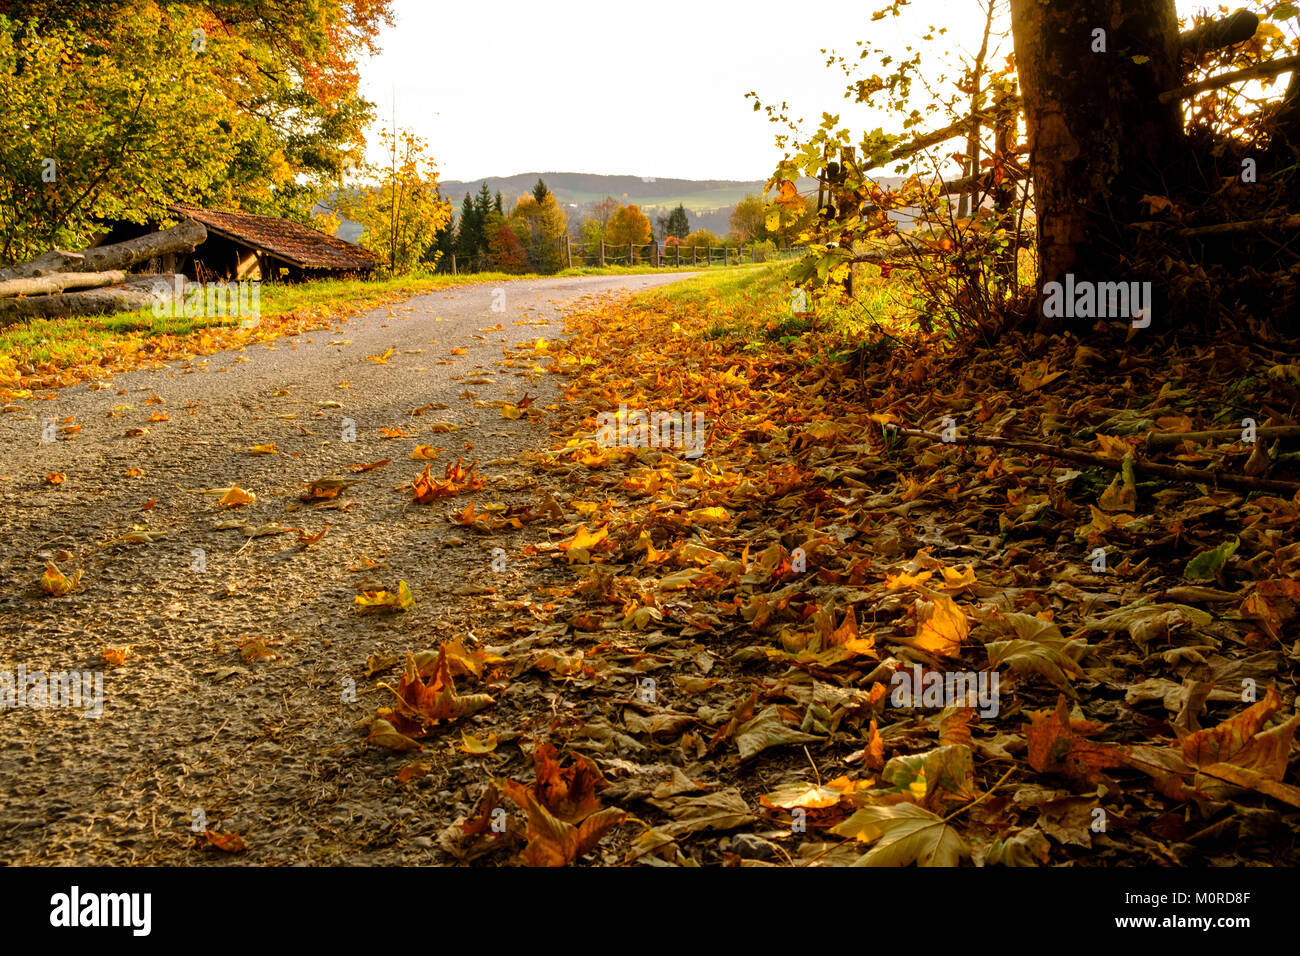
(500, 87)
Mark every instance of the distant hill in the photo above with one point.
(709, 201)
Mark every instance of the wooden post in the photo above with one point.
(654, 253)
(602, 253)
(631, 255)
(695, 255)
(1004, 191)
(568, 251)
(453, 263)
(677, 254)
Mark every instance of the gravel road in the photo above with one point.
(196, 730)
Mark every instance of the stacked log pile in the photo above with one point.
(93, 281)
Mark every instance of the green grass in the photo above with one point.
(67, 340)
(622, 270)
(73, 341)
(756, 303)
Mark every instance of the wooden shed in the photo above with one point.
(242, 245)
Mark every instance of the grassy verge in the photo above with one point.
(752, 305)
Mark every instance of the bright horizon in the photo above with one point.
(512, 88)
(490, 105)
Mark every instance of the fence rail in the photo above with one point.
(602, 254)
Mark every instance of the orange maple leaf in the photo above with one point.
(456, 478)
(437, 700)
(568, 793)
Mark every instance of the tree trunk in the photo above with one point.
(58, 282)
(121, 255)
(1099, 136)
(136, 292)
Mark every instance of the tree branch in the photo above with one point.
(1170, 472)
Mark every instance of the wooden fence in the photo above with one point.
(589, 255)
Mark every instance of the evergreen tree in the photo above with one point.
(469, 238)
(444, 245)
(678, 224)
(498, 205)
(540, 192)
(483, 206)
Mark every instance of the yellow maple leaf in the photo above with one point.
(941, 625)
(713, 515)
(401, 600)
(55, 582)
(474, 745)
(583, 540)
(896, 582)
(236, 497)
(955, 578)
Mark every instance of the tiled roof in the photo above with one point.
(291, 241)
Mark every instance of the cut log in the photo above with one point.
(1236, 27)
(120, 255)
(130, 295)
(59, 282)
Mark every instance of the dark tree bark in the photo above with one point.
(1099, 136)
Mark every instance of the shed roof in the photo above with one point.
(291, 241)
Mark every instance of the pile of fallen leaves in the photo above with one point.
(822, 642)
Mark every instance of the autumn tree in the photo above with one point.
(628, 225)
(540, 227)
(504, 250)
(591, 233)
(105, 130)
(402, 214)
(700, 239)
(602, 211)
(748, 221)
(229, 104)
